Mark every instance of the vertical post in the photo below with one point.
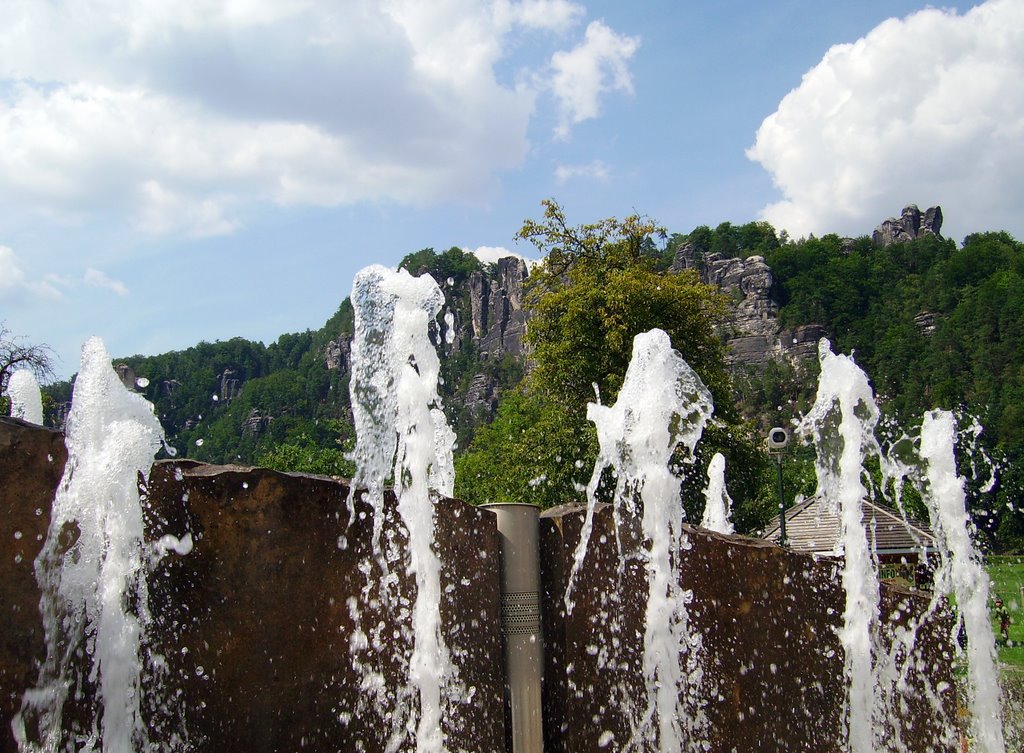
(518, 528)
(783, 539)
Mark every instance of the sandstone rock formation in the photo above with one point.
(337, 354)
(911, 224)
(230, 385)
(752, 333)
(497, 314)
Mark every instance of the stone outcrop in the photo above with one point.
(127, 376)
(255, 424)
(496, 308)
(752, 333)
(337, 354)
(927, 321)
(481, 395)
(911, 224)
(230, 385)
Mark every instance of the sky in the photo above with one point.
(200, 170)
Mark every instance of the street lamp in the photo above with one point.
(777, 440)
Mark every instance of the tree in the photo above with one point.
(608, 243)
(15, 353)
(595, 291)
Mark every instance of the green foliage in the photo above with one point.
(605, 245)
(597, 290)
(582, 333)
(533, 451)
(751, 239)
(933, 325)
(307, 457)
(454, 264)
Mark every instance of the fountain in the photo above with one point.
(662, 406)
(718, 505)
(961, 574)
(368, 620)
(402, 434)
(91, 572)
(26, 401)
(842, 422)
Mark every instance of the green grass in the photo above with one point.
(1007, 574)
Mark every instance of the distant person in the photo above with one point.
(1004, 622)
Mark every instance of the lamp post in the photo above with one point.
(777, 440)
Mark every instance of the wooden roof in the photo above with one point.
(813, 527)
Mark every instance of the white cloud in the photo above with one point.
(97, 279)
(492, 254)
(550, 15)
(596, 66)
(928, 110)
(596, 170)
(181, 116)
(15, 283)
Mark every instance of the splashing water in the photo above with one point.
(718, 505)
(842, 422)
(403, 434)
(662, 404)
(26, 400)
(91, 568)
(961, 573)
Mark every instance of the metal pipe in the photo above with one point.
(518, 528)
(783, 539)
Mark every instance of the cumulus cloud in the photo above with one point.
(97, 279)
(15, 283)
(595, 170)
(583, 75)
(928, 110)
(491, 254)
(182, 115)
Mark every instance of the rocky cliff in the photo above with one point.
(753, 333)
(498, 315)
(912, 223)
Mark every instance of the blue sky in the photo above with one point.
(171, 173)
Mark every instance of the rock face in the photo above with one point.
(911, 224)
(753, 333)
(338, 354)
(230, 385)
(497, 314)
(772, 666)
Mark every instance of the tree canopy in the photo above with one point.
(15, 353)
(596, 289)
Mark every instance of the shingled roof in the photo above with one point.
(812, 527)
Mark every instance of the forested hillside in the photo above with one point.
(934, 323)
(286, 405)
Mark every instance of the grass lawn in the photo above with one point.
(1007, 574)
